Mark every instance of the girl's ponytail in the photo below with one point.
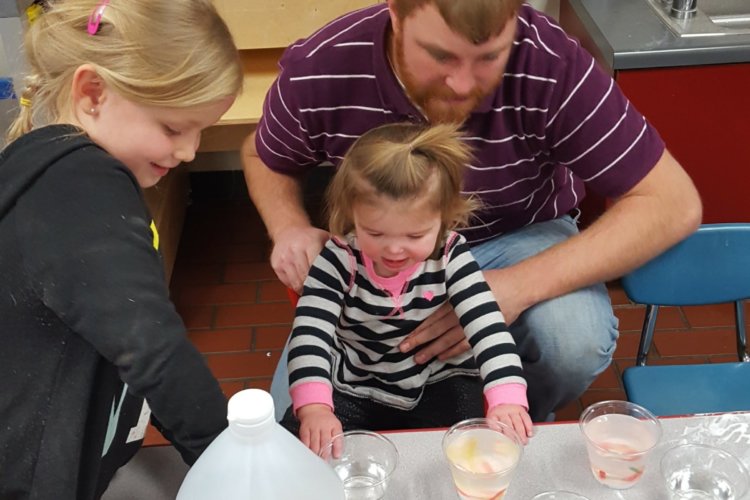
(398, 160)
(24, 122)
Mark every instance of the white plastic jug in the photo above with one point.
(255, 458)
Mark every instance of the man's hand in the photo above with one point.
(442, 334)
(318, 425)
(294, 251)
(278, 198)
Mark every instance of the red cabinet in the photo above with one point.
(703, 114)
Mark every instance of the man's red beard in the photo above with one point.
(437, 100)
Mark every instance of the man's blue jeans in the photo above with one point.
(564, 342)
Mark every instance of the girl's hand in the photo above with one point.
(516, 417)
(318, 425)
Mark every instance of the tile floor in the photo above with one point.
(238, 315)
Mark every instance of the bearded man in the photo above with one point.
(544, 123)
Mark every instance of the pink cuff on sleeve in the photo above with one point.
(309, 393)
(506, 394)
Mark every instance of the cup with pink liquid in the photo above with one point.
(619, 437)
(483, 455)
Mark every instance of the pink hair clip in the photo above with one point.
(96, 17)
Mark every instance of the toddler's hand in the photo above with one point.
(516, 417)
(318, 425)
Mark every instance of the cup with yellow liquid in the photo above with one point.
(483, 455)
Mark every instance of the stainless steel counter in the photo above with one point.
(629, 35)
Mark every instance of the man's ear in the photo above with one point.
(88, 90)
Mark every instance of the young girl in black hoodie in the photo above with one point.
(117, 94)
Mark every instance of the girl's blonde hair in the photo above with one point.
(171, 53)
(398, 161)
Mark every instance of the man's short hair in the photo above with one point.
(476, 20)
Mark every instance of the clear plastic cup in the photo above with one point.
(483, 454)
(559, 495)
(619, 437)
(366, 463)
(697, 471)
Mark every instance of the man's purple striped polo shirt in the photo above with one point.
(555, 122)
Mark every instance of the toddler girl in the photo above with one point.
(392, 262)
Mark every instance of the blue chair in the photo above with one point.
(712, 266)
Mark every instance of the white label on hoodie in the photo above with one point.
(139, 430)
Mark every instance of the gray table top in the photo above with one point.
(555, 458)
(630, 35)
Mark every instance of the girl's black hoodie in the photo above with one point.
(87, 330)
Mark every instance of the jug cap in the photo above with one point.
(250, 408)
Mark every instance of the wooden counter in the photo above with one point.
(262, 29)
(260, 68)
(263, 24)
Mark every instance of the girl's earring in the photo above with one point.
(92, 111)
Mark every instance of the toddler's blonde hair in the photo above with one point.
(398, 161)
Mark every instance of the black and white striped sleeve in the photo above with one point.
(483, 323)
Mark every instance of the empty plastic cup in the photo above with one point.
(365, 465)
(697, 471)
